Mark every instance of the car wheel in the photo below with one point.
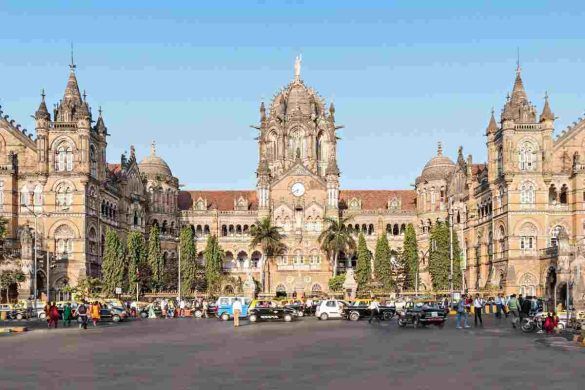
(253, 318)
(388, 316)
(415, 323)
(561, 326)
(19, 316)
(300, 313)
(143, 314)
(354, 316)
(116, 318)
(42, 316)
(198, 314)
(401, 323)
(288, 318)
(324, 316)
(225, 317)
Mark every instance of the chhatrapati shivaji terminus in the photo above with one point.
(514, 214)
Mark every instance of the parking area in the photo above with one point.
(306, 353)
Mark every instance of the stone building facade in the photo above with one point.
(510, 214)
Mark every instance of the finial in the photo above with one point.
(440, 149)
(72, 66)
(84, 95)
(100, 110)
(518, 60)
(43, 94)
(545, 95)
(153, 148)
(493, 111)
(298, 60)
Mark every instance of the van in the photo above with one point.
(224, 307)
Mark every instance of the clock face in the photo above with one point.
(298, 189)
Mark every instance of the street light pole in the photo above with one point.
(179, 281)
(48, 276)
(451, 248)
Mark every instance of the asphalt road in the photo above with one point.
(306, 354)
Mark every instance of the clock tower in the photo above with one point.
(297, 171)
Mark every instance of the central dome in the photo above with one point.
(154, 165)
(438, 168)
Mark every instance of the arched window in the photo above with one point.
(64, 157)
(554, 235)
(527, 193)
(64, 240)
(93, 161)
(552, 194)
(296, 144)
(25, 198)
(298, 257)
(500, 161)
(38, 197)
(528, 234)
(64, 196)
(527, 157)
(271, 147)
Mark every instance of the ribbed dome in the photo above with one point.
(438, 168)
(154, 165)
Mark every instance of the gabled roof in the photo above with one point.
(220, 200)
(378, 199)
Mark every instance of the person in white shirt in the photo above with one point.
(237, 310)
(182, 308)
(478, 304)
(374, 310)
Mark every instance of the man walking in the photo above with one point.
(82, 313)
(499, 301)
(374, 310)
(461, 313)
(478, 304)
(514, 307)
(237, 310)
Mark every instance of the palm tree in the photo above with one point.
(269, 238)
(336, 238)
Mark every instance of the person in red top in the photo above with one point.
(53, 315)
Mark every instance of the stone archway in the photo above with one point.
(550, 286)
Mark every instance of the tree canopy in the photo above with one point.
(214, 257)
(382, 264)
(410, 257)
(439, 258)
(155, 259)
(189, 265)
(336, 238)
(364, 259)
(113, 264)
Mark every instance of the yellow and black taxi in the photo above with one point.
(269, 310)
(421, 314)
(360, 308)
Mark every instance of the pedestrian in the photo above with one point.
(499, 301)
(462, 313)
(94, 311)
(182, 308)
(205, 308)
(47, 310)
(164, 305)
(237, 310)
(514, 308)
(526, 307)
(53, 315)
(67, 315)
(374, 310)
(82, 313)
(478, 305)
(549, 324)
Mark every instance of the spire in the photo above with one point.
(72, 89)
(332, 168)
(439, 149)
(547, 114)
(100, 126)
(492, 125)
(518, 92)
(262, 112)
(72, 65)
(263, 169)
(460, 158)
(42, 112)
(153, 148)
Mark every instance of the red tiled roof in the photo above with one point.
(114, 168)
(378, 199)
(476, 169)
(221, 200)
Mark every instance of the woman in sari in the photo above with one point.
(94, 312)
(53, 315)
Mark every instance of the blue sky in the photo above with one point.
(191, 75)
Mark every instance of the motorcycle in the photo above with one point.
(533, 322)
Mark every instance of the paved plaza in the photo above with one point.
(307, 354)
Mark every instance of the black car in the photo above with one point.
(211, 311)
(269, 311)
(360, 309)
(114, 314)
(422, 314)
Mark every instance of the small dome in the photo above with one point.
(438, 168)
(154, 165)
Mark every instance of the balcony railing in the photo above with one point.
(546, 253)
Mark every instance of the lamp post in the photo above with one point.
(451, 248)
(35, 259)
(179, 264)
(424, 256)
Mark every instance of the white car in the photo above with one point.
(330, 308)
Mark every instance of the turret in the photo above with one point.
(42, 119)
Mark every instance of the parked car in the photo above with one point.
(224, 307)
(299, 307)
(211, 310)
(264, 310)
(422, 314)
(114, 314)
(360, 309)
(330, 308)
(144, 310)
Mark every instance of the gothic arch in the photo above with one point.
(527, 225)
(63, 222)
(64, 139)
(67, 182)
